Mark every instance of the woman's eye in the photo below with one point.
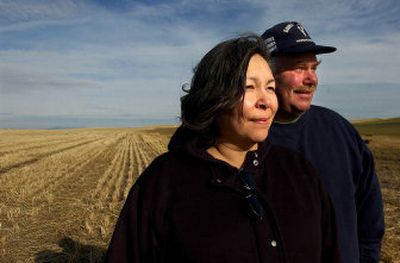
(271, 88)
(249, 87)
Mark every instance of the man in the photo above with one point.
(327, 140)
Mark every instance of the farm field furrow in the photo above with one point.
(122, 179)
(18, 140)
(138, 158)
(31, 179)
(36, 143)
(20, 160)
(114, 183)
(103, 191)
(131, 177)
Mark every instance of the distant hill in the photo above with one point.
(389, 127)
(366, 127)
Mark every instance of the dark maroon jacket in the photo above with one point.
(189, 207)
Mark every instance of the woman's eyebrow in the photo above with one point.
(257, 80)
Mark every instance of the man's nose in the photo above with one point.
(311, 77)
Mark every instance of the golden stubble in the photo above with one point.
(61, 191)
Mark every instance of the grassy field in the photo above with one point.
(383, 138)
(61, 191)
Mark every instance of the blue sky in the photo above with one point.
(65, 59)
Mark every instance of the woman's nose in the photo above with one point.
(262, 101)
(262, 106)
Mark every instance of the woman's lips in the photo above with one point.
(262, 121)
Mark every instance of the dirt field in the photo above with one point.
(383, 138)
(61, 191)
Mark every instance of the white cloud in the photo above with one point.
(358, 61)
(17, 80)
(24, 10)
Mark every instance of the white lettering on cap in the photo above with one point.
(304, 40)
(287, 28)
(302, 30)
(270, 43)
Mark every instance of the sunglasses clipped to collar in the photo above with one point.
(249, 186)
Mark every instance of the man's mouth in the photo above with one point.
(305, 90)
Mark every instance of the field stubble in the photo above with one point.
(61, 191)
(386, 151)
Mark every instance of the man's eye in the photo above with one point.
(271, 88)
(300, 69)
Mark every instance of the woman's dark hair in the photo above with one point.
(218, 84)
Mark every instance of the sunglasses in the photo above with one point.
(249, 185)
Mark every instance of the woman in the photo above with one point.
(222, 193)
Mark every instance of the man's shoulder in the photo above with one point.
(316, 117)
(327, 117)
(325, 112)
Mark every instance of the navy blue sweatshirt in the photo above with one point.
(346, 167)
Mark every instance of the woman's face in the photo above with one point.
(248, 123)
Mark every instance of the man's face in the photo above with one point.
(296, 82)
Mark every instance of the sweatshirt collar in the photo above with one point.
(186, 143)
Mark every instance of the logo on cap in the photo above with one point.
(289, 26)
(302, 30)
(270, 43)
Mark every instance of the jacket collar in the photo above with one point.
(186, 143)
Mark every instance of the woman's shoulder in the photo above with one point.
(165, 167)
(157, 170)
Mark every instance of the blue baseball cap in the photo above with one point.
(290, 38)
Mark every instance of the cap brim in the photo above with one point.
(316, 49)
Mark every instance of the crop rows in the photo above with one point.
(66, 187)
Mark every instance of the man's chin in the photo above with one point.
(287, 116)
(300, 109)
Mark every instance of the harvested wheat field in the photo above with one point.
(61, 191)
(383, 138)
